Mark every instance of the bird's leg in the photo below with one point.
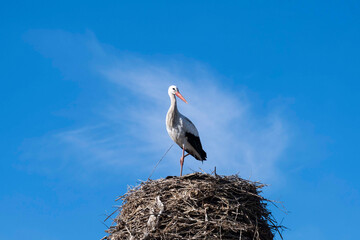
(182, 160)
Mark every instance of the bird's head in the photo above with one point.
(173, 90)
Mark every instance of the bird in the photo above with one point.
(182, 131)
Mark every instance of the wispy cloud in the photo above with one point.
(130, 128)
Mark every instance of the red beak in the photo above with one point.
(180, 96)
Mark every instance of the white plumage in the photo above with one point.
(182, 131)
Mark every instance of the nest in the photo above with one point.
(195, 206)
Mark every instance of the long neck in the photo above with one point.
(173, 112)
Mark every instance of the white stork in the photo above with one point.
(182, 131)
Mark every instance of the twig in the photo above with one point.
(160, 160)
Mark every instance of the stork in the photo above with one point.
(182, 131)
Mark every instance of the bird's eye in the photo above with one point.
(174, 89)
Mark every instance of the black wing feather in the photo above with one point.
(196, 144)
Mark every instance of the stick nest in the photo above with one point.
(195, 206)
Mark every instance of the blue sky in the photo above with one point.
(272, 87)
